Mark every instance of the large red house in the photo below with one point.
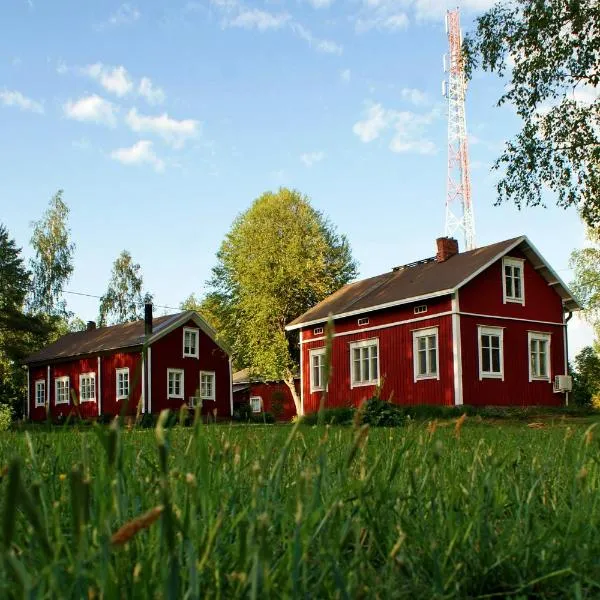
(483, 327)
(145, 366)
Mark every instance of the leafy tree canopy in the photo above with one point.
(52, 265)
(124, 299)
(586, 283)
(586, 376)
(279, 258)
(550, 51)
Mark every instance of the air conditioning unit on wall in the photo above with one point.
(563, 383)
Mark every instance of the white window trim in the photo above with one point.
(117, 371)
(214, 385)
(487, 330)
(196, 353)
(513, 262)
(420, 309)
(35, 387)
(178, 396)
(91, 375)
(260, 404)
(56, 382)
(318, 330)
(315, 352)
(426, 332)
(362, 321)
(540, 335)
(362, 344)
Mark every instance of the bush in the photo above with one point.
(379, 413)
(242, 412)
(343, 415)
(263, 417)
(6, 416)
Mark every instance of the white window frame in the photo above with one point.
(507, 261)
(363, 321)
(420, 309)
(311, 354)
(63, 379)
(318, 331)
(418, 334)
(91, 376)
(196, 352)
(214, 385)
(540, 336)
(490, 330)
(180, 396)
(260, 404)
(364, 344)
(37, 384)
(117, 373)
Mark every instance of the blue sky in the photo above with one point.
(163, 120)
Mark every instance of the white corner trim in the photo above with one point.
(150, 379)
(416, 335)
(496, 331)
(230, 388)
(143, 382)
(99, 390)
(48, 386)
(28, 393)
(457, 351)
(174, 396)
(196, 351)
(301, 374)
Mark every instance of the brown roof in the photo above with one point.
(420, 280)
(101, 339)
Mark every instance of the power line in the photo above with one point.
(100, 297)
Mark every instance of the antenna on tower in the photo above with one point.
(459, 209)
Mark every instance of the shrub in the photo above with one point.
(342, 415)
(242, 412)
(264, 417)
(379, 413)
(6, 415)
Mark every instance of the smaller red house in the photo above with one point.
(148, 365)
(264, 396)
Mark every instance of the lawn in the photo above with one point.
(420, 511)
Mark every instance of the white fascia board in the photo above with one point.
(372, 309)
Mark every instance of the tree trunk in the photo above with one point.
(289, 381)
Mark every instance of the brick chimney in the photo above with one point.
(148, 318)
(446, 248)
(91, 325)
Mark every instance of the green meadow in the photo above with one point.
(427, 510)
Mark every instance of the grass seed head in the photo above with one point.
(459, 423)
(127, 531)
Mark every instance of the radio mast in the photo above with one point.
(459, 209)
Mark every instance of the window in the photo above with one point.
(364, 362)
(318, 331)
(40, 392)
(425, 353)
(87, 387)
(62, 390)
(491, 360)
(539, 356)
(513, 280)
(122, 383)
(363, 321)
(207, 385)
(317, 373)
(174, 383)
(256, 404)
(190, 342)
(420, 309)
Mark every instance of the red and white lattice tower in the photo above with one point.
(459, 209)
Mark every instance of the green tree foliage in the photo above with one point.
(586, 376)
(208, 308)
(586, 283)
(124, 300)
(52, 265)
(550, 51)
(279, 258)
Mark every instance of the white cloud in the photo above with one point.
(310, 158)
(152, 93)
(415, 96)
(345, 75)
(140, 153)
(254, 18)
(14, 98)
(93, 109)
(320, 3)
(389, 15)
(125, 14)
(61, 67)
(326, 46)
(171, 130)
(408, 128)
(586, 94)
(115, 80)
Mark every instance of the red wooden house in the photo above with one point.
(106, 368)
(264, 396)
(483, 327)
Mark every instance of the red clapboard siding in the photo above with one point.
(269, 392)
(110, 364)
(516, 389)
(483, 295)
(167, 353)
(395, 364)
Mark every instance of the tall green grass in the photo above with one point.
(255, 511)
